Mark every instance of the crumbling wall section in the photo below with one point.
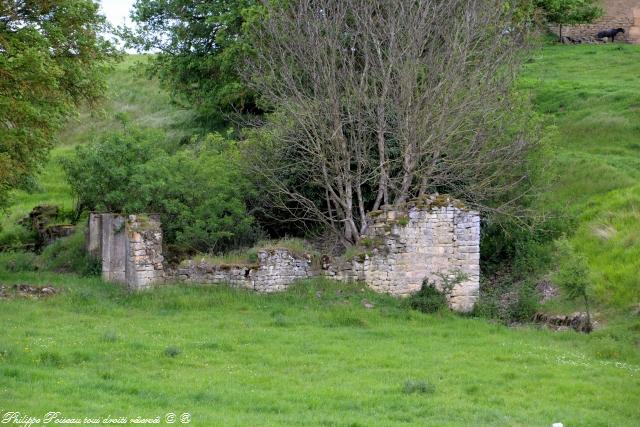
(437, 240)
(274, 271)
(434, 239)
(129, 247)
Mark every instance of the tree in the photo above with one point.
(199, 46)
(378, 102)
(569, 12)
(199, 192)
(573, 276)
(52, 57)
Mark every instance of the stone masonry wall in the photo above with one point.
(276, 269)
(617, 14)
(431, 239)
(425, 242)
(143, 248)
(130, 248)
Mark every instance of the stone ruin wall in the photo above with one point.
(409, 247)
(400, 250)
(129, 247)
(274, 271)
(617, 14)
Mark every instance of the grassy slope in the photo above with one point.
(593, 95)
(287, 359)
(131, 98)
(296, 358)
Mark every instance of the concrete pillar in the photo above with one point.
(113, 248)
(94, 235)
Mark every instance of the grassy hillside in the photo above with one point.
(314, 355)
(311, 356)
(592, 94)
(131, 98)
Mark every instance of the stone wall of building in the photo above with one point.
(435, 239)
(617, 14)
(275, 270)
(143, 247)
(129, 247)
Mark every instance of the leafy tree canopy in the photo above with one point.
(569, 12)
(199, 192)
(200, 47)
(52, 57)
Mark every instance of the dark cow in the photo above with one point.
(612, 33)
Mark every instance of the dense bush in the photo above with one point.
(199, 192)
(18, 261)
(508, 303)
(429, 299)
(68, 255)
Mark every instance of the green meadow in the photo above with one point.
(311, 356)
(592, 96)
(315, 355)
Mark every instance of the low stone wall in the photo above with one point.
(617, 14)
(275, 271)
(143, 247)
(433, 240)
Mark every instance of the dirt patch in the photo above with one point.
(27, 291)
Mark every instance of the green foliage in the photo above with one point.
(53, 56)
(201, 49)
(573, 275)
(129, 91)
(69, 255)
(508, 302)
(428, 299)
(199, 192)
(525, 305)
(569, 12)
(18, 261)
(100, 174)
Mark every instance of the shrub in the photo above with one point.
(573, 275)
(172, 351)
(420, 387)
(513, 303)
(18, 261)
(525, 306)
(70, 256)
(200, 193)
(429, 299)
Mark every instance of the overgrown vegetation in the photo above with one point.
(53, 56)
(199, 192)
(66, 255)
(392, 109)
(569, 12)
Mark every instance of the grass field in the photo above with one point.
(315, 355)
(592, 95)
(311, 356)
